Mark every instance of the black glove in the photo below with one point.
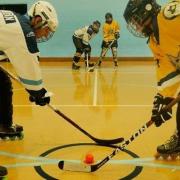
(39, 97)
(117, 35)
(159, 115)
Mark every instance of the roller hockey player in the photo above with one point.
(19, 35)
(111, 33)
(145, 18)
(81, 40)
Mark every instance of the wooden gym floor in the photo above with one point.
(107, 103)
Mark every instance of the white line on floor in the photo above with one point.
(149, 161)
(95, 88)
(82, 105)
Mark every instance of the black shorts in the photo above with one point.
(78, 44)
(106, 44)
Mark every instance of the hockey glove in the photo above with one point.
(117, 35)
(39, 97)
(159, 115)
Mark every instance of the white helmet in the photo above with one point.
(47, 12)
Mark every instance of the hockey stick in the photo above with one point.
(99, 141)
(104, 53)
(72, 166)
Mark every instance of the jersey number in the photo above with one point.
(172, 10)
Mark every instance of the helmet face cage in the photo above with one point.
(136, 26)
(46, 20)
(108, 17)
(45, 38)
(137, 13)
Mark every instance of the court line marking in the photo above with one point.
(88, 105)
(95, 88)
(67, 70)
(48, 161)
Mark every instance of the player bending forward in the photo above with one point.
(19, 35)
(81, 40)
(111, 34)
(145, 18)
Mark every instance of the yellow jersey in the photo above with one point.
(109, 30)
(166, 48)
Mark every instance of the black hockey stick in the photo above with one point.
(99, 141)
(104, 54)
(80, 167)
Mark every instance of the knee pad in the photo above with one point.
(76, 57)
(114, 52)
(6, 107)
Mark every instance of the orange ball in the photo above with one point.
(89, 159)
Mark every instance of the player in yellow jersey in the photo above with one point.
(145, 18)
(111, 31)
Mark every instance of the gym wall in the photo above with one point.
(74, 14)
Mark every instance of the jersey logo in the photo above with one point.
(175, 60)
(8, 17)
(172, 10)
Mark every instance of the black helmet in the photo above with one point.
(108, 15)
(137, 12)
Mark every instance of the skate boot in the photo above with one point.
(75, 66)
(99, 63)
(170, 150)
(15, 132)
(115, 64)
(90, 67)
(3, 173)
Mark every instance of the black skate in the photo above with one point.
(115, 64)
(99, 63)
(169, 150)
(90, 67)
(3, 173)
(75, 66)
(15, 132)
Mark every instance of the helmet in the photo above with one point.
(95, 26)
(48, 14)
(136, 14)
(108, 17)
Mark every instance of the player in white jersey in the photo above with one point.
(19, 35)
(81, 40)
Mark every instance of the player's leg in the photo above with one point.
(78, 44)
(7, 129)
(104, 47)
(114, 52)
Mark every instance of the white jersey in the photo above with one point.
(18, 42)
(86, 34)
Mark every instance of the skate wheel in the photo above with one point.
(21, 136)
(13, 138)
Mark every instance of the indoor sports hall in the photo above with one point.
(109, 103)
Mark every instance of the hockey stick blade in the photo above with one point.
(74, 166)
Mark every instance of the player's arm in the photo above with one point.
(168, 83)
(27, 67)
(117, 31)
(86, 39)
